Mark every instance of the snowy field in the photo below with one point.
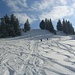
(27, 55)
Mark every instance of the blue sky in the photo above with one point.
(36, 10)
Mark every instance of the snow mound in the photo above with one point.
(61, 33)
(37, 34)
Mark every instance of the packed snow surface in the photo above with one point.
(28, 55)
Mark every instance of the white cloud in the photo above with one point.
(64, 2)
(16, 5)
(39, 5)
(55, 9)
(23, 17)
(46, 4)
(57, 13)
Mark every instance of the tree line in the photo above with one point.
(64, 26)
(47, 25)
(10, 27)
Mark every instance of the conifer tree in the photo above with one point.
(67, 27)
(27, 26)
(9, 26)
(42, 24)
(6, 17)
(64, 26)
(17, 27)
(12, 19)
(51, 28)
(59, 25)
(46, 24)
(3, 28)
(70, 28)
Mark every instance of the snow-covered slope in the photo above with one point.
(27, 55)
(37, 34)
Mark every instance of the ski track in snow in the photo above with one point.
(29, 56)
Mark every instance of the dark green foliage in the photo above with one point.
(3, 32)
(64, 26)
(6, 17)
(17, 27)
(10, 30)
(67, 27)
(27, 26)
(59, 25)
(48, 25)
(51, 28)
(9, 26)
(12, 19)
(42, 24)
(71, 29)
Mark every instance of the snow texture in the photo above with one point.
(28, 55)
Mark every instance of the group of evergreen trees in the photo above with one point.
(9, 26)
(47, 25)
(65, 26)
